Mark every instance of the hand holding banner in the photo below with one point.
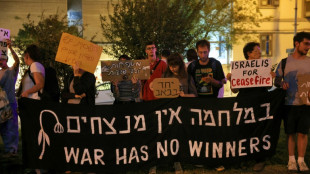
(73, 49)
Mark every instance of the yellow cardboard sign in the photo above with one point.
(124, 70)
(73, 49)
(166, 87)
(304, 88)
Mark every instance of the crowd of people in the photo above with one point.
(202, 76)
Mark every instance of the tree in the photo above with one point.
(175, 24)
(228, 18)
(169, 24)
(46, 35)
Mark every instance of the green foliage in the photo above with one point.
(169, 24)
(46, 35)
(175, 24)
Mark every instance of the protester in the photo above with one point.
(164, 55)
(157, 68)
(9, 129)
(36, 72)
(207, 72)
(251, 51)
(79, 88)
(176, 69)
(296, 115)
(126, 91)
(191, 56)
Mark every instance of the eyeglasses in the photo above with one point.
(150, 48)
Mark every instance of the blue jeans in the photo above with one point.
(9, 132)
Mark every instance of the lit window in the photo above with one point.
(269, 3)
(307, 8)
(266, 45)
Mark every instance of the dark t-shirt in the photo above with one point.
(197, 71)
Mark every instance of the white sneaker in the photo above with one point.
(292, 166)
(303, 167)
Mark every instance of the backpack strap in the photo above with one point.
(278, 79)
(155, 66)
(283, 64)
(32, 79)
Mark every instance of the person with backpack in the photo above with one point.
(208, 75)
(157, 68)
(80, 87)
(296, 115)
(9, 129)
(207, 72)
(32, 82)
(30, 88)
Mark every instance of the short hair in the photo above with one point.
(203, 43)
(124, 56)
(33, 52)
(165, 53)
(191, 55)
(149, 43)
(249, 47)
(300, 36)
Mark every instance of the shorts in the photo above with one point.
(296, 119)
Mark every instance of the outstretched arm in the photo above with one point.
(16, 59)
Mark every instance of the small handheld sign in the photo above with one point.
(166, 87)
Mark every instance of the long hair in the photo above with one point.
(173, 60)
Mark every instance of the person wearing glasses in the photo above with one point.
(157, 68)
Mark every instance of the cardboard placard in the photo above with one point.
(4, 35)
(303, 88)
(73, 49)
(123, 70)
(251, 73)
(166, 87)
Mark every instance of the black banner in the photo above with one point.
(111, 138)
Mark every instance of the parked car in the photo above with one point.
(104, 96)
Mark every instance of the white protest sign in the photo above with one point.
(251, 73)
(303, 88)
(4, 35)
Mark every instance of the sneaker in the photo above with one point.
(259, 166)
(220, 168)
(178, 168)
(303, 167)
(292, 166)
